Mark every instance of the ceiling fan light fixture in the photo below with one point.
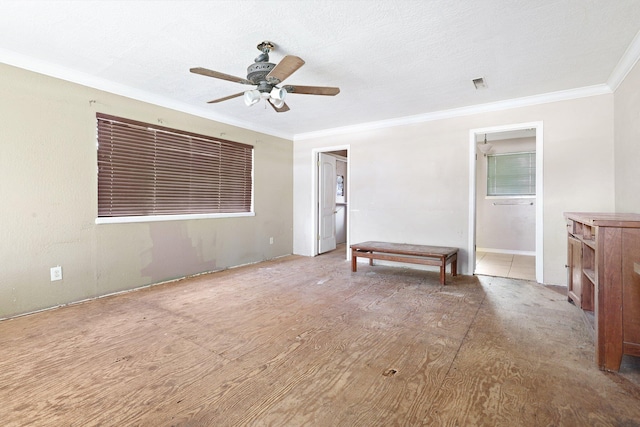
(278, 103)
(485, 148)
(278, 94)
(251, 97)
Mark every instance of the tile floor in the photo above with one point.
(506, 265)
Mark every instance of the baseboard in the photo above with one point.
(506, 251)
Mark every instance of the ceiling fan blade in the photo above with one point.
(218, 75)
(225, 98)
(282, 109)
(312, 90)
(284, 69)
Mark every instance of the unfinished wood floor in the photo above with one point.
(306, 342)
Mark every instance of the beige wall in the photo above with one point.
(411, 183)
(627, 142)
(48, 201)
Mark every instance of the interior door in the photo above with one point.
(327, 197)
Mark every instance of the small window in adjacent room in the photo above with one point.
(512, 174)
(146, 170)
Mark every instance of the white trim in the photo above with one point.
(563, 95)
(626, 64)
(538, 126)
(506, 251)
(155, 218)
(532, 196)
(315, 158)
(18, 60)
(539, 202)
(471, 226)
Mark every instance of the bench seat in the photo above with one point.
(403, 252)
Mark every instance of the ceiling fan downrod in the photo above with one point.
(264, 47)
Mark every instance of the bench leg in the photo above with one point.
(442, 267)
(454, 267)
(354, 262)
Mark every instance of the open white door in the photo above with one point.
(327, 197)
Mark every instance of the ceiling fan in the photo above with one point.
(267, 76)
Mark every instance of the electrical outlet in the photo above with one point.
(271, 240)
(56, 273)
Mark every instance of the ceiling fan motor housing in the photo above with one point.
(264, 87)
(257, 71)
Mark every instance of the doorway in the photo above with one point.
(332, 200)
(505, 223)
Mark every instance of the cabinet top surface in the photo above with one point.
(605, 219)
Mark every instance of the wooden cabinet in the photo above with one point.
(603, 260)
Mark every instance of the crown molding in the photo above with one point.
(52, 70)
(563, 95)
(626, 64)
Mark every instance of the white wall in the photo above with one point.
(411, 183)
(504, 224)
(627, 142)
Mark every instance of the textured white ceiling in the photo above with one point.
(390, 58)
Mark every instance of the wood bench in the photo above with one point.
(402, 252)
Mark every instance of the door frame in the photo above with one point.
(473, 152)
(327, 206)
(315, 188)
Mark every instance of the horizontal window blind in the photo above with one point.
(146, 170)
(511, 174)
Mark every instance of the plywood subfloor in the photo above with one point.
(304, 341)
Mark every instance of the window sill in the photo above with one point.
(508, 197)
(155, 218)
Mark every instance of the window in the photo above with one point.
(148, 170)
(511, 174)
